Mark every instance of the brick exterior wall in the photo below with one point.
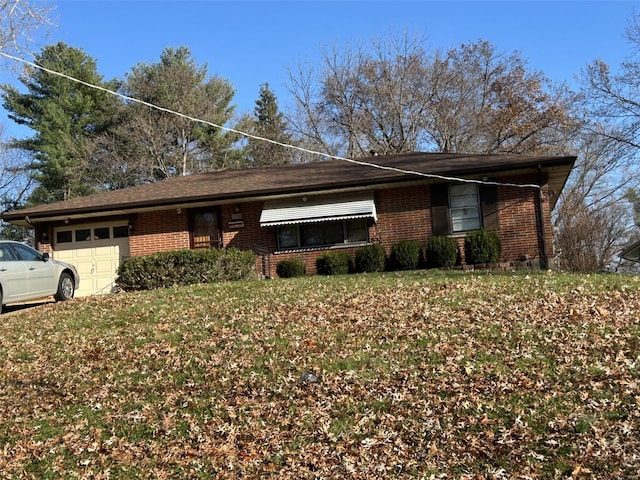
(159, 232)
(517, 215)
(403, 213)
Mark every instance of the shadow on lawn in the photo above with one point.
(16, 307)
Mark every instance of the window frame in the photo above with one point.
(302, 245)
(69, 235)
(441, 218)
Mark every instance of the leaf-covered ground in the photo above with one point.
(417, 375)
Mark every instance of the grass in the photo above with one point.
(420, 374)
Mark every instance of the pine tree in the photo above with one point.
(168, 144)
(269, 123)
(67, 118)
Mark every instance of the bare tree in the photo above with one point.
(20, 20)
(363, 99)
(392, 96)
(589, 238)
(14, 180)
(484, 101)
(15, 185)
(593, 219)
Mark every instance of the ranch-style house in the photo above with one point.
(303, 210)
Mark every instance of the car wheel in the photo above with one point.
(66, 288)
(0, 301)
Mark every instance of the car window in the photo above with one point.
(6, 254)
(27, 254)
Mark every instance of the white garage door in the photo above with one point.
(96, 250)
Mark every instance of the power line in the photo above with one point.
(274, 142)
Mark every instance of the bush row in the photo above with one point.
(185, 267)
(482, 246)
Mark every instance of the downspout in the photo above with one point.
(35, 232)
(542, 240)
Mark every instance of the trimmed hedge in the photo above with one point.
(291, 267)
(442, 251)
(371, 258)
(482, 246)
(405, 255)
(333, 263)
(185, 267)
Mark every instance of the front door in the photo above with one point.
(205, 228)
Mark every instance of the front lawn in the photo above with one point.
(417, 375)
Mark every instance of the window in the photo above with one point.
(86, 234)
(64, 236)
(27, 254)
(83, 235)
(6, 254)
(323, 234)
(464, 207)
(101, 233)
(459, 208)
(205, 229)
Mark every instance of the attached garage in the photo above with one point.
(96, 250)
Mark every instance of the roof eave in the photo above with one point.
(22, 217)
(632, 252)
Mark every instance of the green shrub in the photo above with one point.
(442, 251)
(184, 267)
(291, 267)
(482, 246)
(405, 255)
(333, 263)
(370, 258)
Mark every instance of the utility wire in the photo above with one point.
(274, 142)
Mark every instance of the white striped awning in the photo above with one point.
(308, 209)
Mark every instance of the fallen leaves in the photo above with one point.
(414, 376)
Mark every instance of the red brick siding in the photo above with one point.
(309, 257)
(403, 213)
(159, 232)
(248, 235)
(517, 215)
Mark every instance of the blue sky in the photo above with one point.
(252, 42)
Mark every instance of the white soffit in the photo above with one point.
(307, 209)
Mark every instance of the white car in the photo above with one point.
(26, 274)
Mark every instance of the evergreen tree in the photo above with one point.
(67, 118)
(268, 123)
(169, 144)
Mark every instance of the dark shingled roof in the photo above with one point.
(237, 185)
(632, 252)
